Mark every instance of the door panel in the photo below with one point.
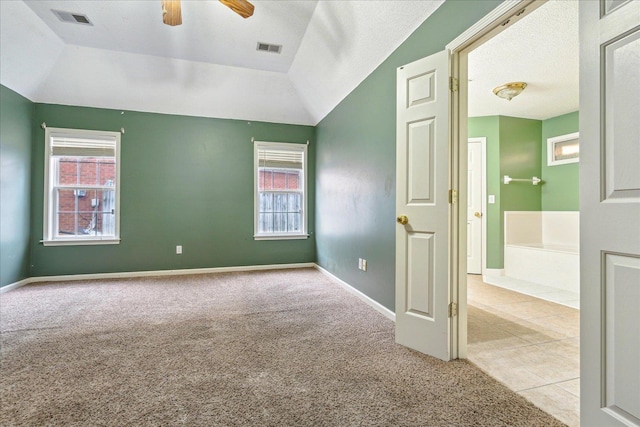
(610, 212)
(622, 146)
(419, 159)
(622, 334)
(422, 278)
(421, 89)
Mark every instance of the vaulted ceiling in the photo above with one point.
(210, 66)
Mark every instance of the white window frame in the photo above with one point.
(551, 144)
(49, 210)
(302, 234)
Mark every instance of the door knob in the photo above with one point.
(402, 219)
(477, 214)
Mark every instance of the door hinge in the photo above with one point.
(453, 84)
(453, 196)
(453, 309)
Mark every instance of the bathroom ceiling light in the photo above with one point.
(509, 90)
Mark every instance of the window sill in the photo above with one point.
(280, 236)
(79, 242)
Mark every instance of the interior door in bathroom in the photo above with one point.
(475, 211)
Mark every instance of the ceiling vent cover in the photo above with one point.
(266, 47)
(73, 18)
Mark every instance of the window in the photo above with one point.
(280, 190)
(82, 187)
(563, 149)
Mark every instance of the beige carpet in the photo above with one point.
(279, 348)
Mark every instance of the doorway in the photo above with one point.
(609, 190)
(530, 345)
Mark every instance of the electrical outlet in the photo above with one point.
(179, 249)
(359, 263)
(364, 265)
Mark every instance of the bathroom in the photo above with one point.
(531, 226)
(523, 286)
(523, 298)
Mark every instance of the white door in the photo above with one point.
(474, 206)
(422, 206)
(610, 213)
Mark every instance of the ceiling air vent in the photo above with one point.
(73, 18)
(266, 47)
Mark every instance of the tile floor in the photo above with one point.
(547, 293)
(531, 345)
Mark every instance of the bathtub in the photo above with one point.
(543, 248)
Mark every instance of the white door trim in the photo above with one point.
(494, 22)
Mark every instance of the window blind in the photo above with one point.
(290, 159)
(69, 146)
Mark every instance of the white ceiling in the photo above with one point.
(541, 50)
(209, 66)
(211, 32)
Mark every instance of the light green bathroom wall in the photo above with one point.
(520, 157)
(513, 148)
(560, 191)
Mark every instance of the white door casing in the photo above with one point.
(505, 14)
(475, 211)
(610, 213)
(423, 172)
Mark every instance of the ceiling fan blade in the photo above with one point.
(171, 12)
(241, 7)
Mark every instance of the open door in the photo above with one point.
(610, 213)
(422, 206)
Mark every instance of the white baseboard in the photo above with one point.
(373, 303)
(15, 285)
(492, 272)
(492, 276)
(127, 274)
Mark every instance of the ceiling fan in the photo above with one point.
(172, 13)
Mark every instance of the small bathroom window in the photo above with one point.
(563, 149)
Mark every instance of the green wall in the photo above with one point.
(16, 114)
(355, 197)
(184, 181)
(514, 149)
(520, 157)
(520, 154)
(560, 191)
(518, 148)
